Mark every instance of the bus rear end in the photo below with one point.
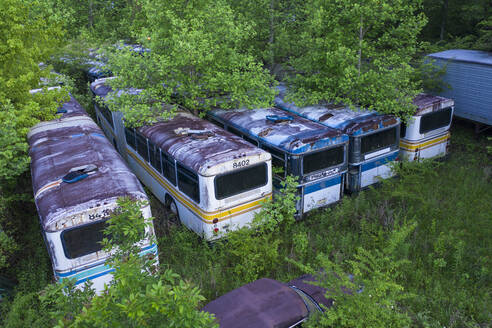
(235, 191)
(426, 134)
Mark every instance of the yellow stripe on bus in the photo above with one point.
(415, 146)
(207, 217)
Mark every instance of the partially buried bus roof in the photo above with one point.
(291, 133)
(60, 145)
(351, 121)
(199, 144)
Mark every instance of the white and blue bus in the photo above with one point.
(77, 177)
(374, 138)
(213, 181)
(426, 134)
(315, 154)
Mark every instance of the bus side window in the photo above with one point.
(188, 183)
(142, 148)
(403, 130)
(155, 158)
(168, 168)
(130, 137)
(278, 161)
(107, 114)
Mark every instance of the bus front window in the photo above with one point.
(236, 182)
(322, 160)
(378, 140)
(84, 240)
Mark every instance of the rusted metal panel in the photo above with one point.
(202, 147)
(353, 122)
(428, 103)
(294, 135)
(71, 108)
(264, 303)
(62, 144)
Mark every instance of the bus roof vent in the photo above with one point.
(195, 134)
(79, 173)
(277, 119)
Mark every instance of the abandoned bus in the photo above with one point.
(315, 154)
(213, 181)
(77, 177)
(373, 138)
(426, 134)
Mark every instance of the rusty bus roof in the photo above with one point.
(428, 103)
(355, 121)
(59, 145)
(296, 135)
(263, 303)
(198, 151)
(100, 88)
(72, 108)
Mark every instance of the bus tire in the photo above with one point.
(173, 208)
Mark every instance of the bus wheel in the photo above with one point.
(171, 206)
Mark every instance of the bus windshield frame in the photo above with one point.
(379, 145)
(340, 149)
(245, 174)
(72, 248)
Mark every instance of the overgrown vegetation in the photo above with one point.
(419, 245)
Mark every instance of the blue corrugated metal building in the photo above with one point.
(469, 73)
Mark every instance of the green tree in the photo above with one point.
(358, 52)
(139, 296)
(28, 35)
(365, 288)
(197, 59)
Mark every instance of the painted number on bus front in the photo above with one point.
(242, 163)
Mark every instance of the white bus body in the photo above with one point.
(184, 162)
(73, 208)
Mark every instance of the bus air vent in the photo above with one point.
(195, 134)
(78, 173)
(279, 119)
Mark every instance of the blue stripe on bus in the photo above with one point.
(322, 185)
(379, 162)
(94, 277)
(100, 265)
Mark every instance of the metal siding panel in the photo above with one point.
(471, 89)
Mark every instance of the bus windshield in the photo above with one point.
(323, 160)
(83, 240)
(378, 140)
(236, 182)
